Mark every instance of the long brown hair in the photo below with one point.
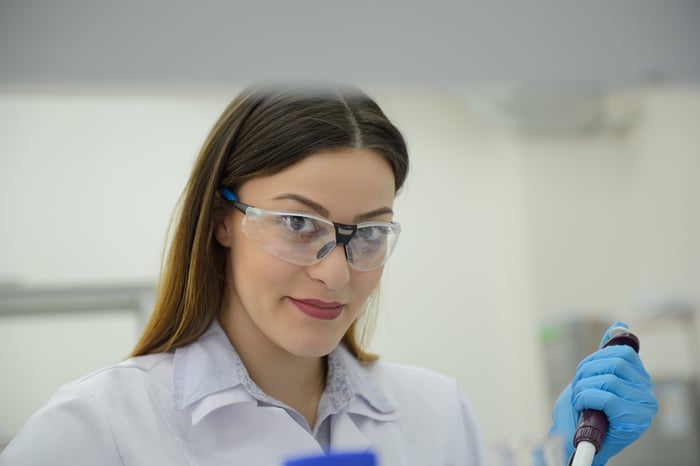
(263, 131)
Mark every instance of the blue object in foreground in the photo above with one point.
(337, 459)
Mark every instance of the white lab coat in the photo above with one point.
(140, 412)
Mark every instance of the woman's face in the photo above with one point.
(304, 310)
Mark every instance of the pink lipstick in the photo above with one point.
(318, 309)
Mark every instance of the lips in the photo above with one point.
(318, 309)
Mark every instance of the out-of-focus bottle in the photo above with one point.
(336, 459)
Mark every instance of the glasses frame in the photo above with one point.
(343, 232)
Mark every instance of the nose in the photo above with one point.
(333, 270)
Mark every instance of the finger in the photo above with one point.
(631, 371)
(625, 397)
(606, 335)
(636, 407)
(623, 352)
(628, 392)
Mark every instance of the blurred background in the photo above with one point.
(553, 189)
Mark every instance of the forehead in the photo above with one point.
(340, 179)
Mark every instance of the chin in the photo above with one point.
(315, 349)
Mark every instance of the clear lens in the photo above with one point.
(372, 244)
(305, 239)
(291, 236)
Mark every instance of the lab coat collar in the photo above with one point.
(363, 384)
(209, 374)
(208, 365)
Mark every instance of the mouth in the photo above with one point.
(317, 309)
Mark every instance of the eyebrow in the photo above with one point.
(324, 212)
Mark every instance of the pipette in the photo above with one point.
(593, 424)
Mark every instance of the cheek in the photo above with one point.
(259, 279)
(365, 282)
(252, 267)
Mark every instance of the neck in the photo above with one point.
(296, 381)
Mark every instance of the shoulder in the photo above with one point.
(153, 366)
(80, 422)
(405, 380)
(126, 380)
(421, 393)
(132, 386)
(400, 384)
(423, 398)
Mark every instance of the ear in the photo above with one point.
(222, 232)
(221, 217)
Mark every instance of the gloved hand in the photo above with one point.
(612, 380)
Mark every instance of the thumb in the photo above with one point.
(607, 336)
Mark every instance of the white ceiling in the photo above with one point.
(359, 41)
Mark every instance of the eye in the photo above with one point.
(372, 233)
(299, 224)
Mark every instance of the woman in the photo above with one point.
(255, 350)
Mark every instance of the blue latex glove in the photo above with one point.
(612, 380)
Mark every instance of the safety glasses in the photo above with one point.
(305, 239)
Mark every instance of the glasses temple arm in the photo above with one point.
(233, 199)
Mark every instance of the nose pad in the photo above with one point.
(348, 253)
(328, 247)
(323, 252)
